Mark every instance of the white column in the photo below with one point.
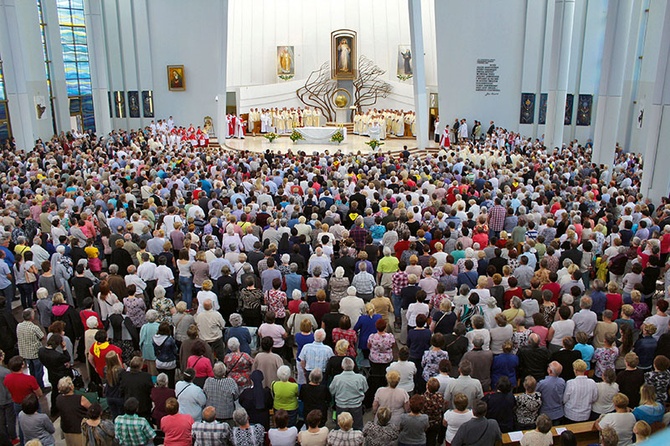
(220, 123)
(655, 179)
(18, 86)
(95, 39)
(559, 71)
(419, 78)
(618, 34)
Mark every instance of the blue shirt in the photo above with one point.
(587, 353)
(504, 365)
(365, 326)
(552, 389)
(9, 256)
(4, 280)
(418, 341)
(599, 302)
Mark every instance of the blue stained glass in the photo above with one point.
(79, 35)
(72, 87)
(4, 131)
(69, 54)
(3, 111)
(89, 121)
(75, 106)
(82, 52)
(64, 16)
(85, 87)
(83, 70)
(78, 18)
(70, 70)
(77, 4)
(66, 36)
(87, 104)
(63, 3)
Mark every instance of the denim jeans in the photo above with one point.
(397, 301)
(37, 370)
(186, 287)
(26, 290)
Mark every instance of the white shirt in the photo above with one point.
(164, 276)
(414, 310)
(580, 394)
(454, 421)
(407, 370)
(147, 271)
(203, 296)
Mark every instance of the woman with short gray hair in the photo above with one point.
(240, 333)
(222, 392)
(159, 395)
(238, 364)
(338, 285)
(315, 395)
(147, 333)
(181, 321)
(285, 394)
(245, 434)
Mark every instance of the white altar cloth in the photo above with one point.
(320, 135)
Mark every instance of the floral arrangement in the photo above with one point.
(404, 77)
(270, 136)
(296, 136)
(286, 77)
(373, 143)
(337, 137)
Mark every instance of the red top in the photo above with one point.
(99, 361)
(20, 385)
(614, 303)
(85, 314)
(177, 429)
(201, 365)
(555, 289)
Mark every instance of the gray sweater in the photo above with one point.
(37, 426)
(413, 429)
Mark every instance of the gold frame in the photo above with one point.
(335, 38)
(175, 86)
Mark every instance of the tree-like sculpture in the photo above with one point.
(318, 91)
(319, 88)
(368, 85)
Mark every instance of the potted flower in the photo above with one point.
(373, 143)
(296, 136)
(270, 136)
(337, 137)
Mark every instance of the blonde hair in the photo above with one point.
(393, 378)
(341, 347)
(579, 366)
(207, 285)
(369, 309)
(345, 421)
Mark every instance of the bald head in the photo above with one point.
(555, 368)
(207, 304)
(209, 414)
(534, 339)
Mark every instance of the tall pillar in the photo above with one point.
(220, 124)
(419, 78)
(95, 39)
(23, 67)
(655, 180)
(616, 55)
(559, 70)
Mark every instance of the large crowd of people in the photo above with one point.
(178, 294)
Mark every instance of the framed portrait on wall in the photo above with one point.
(134, 104)
(285, 61)
(343, 54)
(148, 103)
(176, 81)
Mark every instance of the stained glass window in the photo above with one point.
(76, 61)
(5, 128)
(47, 62)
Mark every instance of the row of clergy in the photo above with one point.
(284, 120)
(390, 122)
